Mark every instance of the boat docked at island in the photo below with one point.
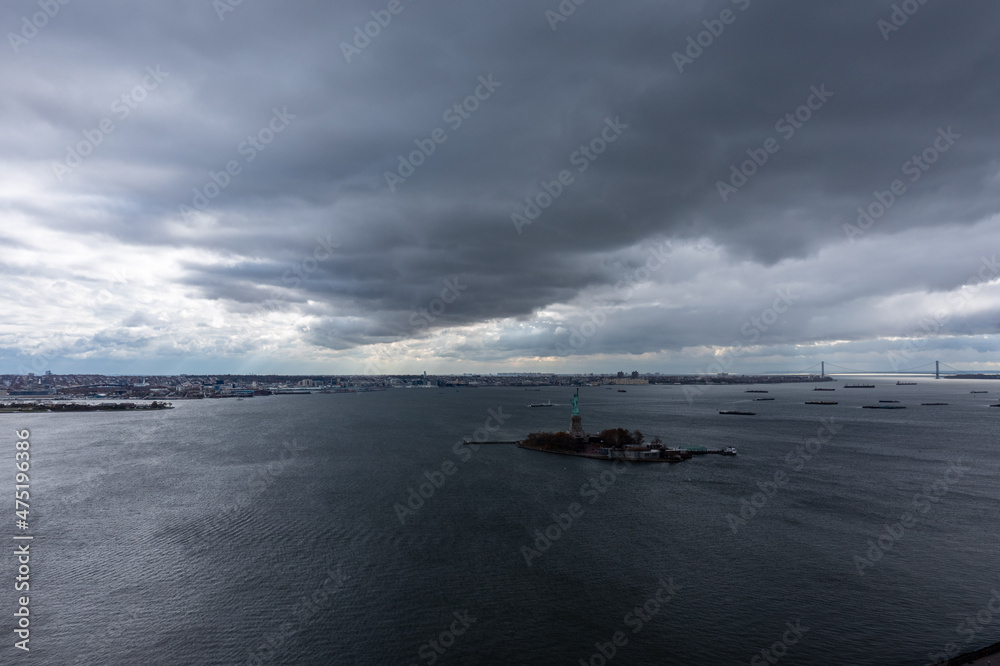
(652, 453)
(703, 451)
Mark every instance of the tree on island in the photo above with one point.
(621, 437)
(554, 441)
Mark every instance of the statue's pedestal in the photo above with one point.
(576, 427)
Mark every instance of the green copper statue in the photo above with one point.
(576, 403)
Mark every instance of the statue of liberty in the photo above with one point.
(575, 421)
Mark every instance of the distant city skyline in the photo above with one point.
(336, 188)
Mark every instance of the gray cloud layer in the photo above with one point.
(347, 123)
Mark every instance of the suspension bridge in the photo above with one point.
(937, 367)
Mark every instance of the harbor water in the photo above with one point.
(358, 529)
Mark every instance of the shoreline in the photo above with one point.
(57, 407)
(981, 657)
(683, 455)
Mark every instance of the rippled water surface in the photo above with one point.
(268, 531)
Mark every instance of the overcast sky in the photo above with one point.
(192, 186)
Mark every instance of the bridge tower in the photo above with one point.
(937, 369)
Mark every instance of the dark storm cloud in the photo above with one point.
(347, 123)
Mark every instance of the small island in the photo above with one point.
(610, 444)
(55, 406)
